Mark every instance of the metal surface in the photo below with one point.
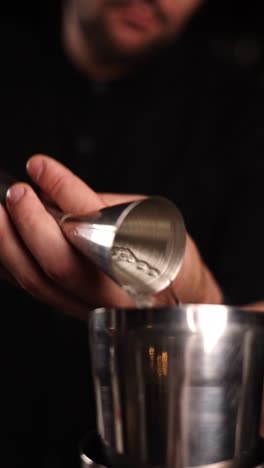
(179, 387)
(94, 454)
(140, 245)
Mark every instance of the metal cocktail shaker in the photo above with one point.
(178, 387)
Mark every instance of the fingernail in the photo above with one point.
(34, 168)
(14, 194)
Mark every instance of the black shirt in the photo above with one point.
(188, 126)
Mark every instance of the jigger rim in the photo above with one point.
(167, 269)
(131, 205)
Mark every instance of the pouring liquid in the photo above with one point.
(141, 300)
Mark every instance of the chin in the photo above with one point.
(130, 50)
(131, 44)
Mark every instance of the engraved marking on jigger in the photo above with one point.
(124, 254)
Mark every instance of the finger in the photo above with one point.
(44, 239)
(116, 198)
(19, 267)
(254, 307)
(56, 257)
(63, 187)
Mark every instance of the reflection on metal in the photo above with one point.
(186, 382)
(152, 356)
(117, 406)
(88, 450)
(87, 462)
(143, 445)
(211, 326)
(164, 360)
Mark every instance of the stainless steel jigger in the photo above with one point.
(140, 244)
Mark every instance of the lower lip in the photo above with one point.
(137, 17)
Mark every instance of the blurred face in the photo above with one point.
(130, 28)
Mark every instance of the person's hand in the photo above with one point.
(36, 255)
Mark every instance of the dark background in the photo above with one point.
(46, 399)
